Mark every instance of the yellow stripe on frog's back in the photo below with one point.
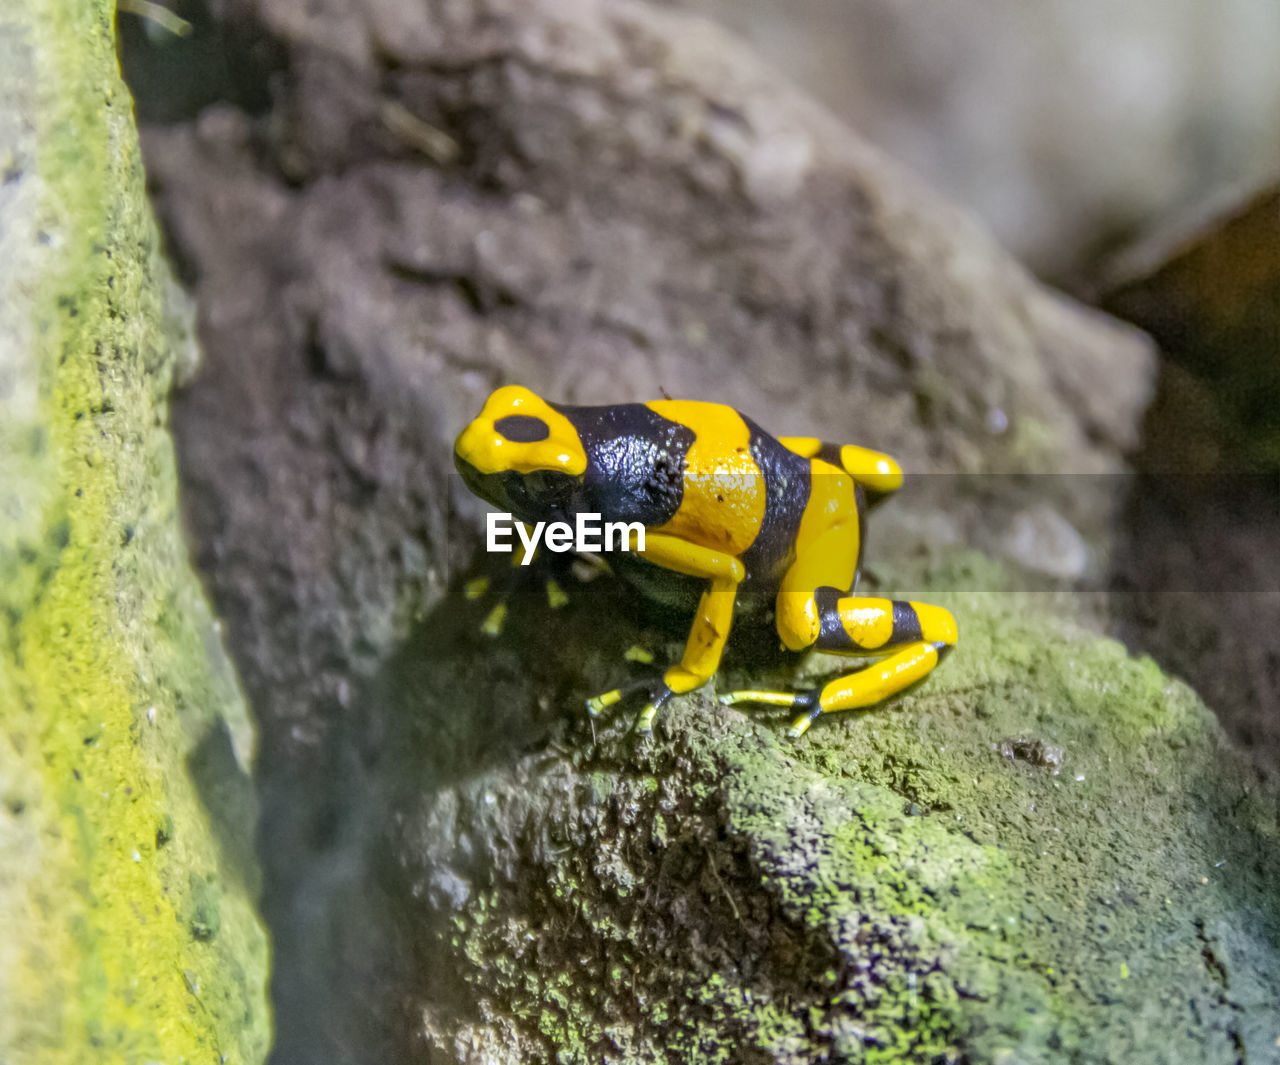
(724, 493)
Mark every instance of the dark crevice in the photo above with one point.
(175, 75)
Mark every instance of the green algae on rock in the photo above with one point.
(909, 884)
(127, 924)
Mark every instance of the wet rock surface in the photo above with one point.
(128, 883)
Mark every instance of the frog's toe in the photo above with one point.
(497, 589)
(760, 698)
(657, 691)
(644, 720)
(494, 621)
(807, 702)
(810, 707)
(604, 700)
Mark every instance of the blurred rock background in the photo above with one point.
(1070, 126)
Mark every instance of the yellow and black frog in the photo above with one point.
(742, 514)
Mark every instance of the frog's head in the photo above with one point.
(521, 455)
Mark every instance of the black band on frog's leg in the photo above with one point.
(906, 623)
(898, 665)
(831, 631)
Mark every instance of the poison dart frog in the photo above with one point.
(731, 514)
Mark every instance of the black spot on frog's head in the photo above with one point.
(522, 455)
(517, 432)
(522, 428)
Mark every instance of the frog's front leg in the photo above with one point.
(711, 623)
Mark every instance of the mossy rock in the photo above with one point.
(127, 882)
(1046, 852)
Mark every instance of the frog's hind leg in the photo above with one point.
(878, 474)
(908, 638)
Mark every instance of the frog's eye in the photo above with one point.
(522, 428)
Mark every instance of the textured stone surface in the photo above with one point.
(127, 879)
(915, 884)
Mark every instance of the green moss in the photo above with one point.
(111, 677)
(1024, 859)
(205, 918)
(1028, 892)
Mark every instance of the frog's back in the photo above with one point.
(702, 472)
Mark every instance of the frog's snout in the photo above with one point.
(474, 444)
